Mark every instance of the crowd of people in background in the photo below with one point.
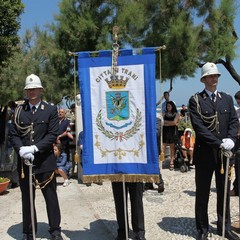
(172, 134)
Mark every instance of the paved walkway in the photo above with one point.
(88, 212)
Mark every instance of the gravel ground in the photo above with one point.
(169, 215)
(88, 213)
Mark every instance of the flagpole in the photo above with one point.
(115, 52)
(161, 153)
(125, 207)
(75, 55)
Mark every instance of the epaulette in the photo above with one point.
(195, 94)
(204, 95)
(226, 93)
(47, 103)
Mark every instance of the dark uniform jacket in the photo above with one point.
(208, 140)
(45, 130)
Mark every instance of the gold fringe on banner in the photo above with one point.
(76, 157)
(120, 177)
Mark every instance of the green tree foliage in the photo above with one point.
(80, 26)
(35, 57)
(84, 25)
(194, 32)
(9, 26)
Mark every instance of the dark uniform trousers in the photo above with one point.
(203, 177)
(206, 155)
(136, 193)
(51, 199)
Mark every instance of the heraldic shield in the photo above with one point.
(119, 116)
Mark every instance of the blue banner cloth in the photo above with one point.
(119, 116)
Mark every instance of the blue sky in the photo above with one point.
(40, 12)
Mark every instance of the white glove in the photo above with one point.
(227, 144)
(27, 149)
(29, 156)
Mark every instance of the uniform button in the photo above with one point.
(32, 140)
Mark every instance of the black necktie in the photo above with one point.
(33, 109)
(213, 96)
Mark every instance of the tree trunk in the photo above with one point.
(228, 65)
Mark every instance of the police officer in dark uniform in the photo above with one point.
(215, 123)
(34, 131)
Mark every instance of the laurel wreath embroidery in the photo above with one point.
(120, 135)
(120, 153)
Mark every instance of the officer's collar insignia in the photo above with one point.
(219, 95)
(42, 107)
(26, 107)
(204, 95)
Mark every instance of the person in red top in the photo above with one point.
(188, 141)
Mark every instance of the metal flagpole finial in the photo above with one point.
(115, 31)
(115, 52)
(163, 47)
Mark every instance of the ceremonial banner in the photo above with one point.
(119, 116)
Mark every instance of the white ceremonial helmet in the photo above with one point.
(209, 69)
(32, 81)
